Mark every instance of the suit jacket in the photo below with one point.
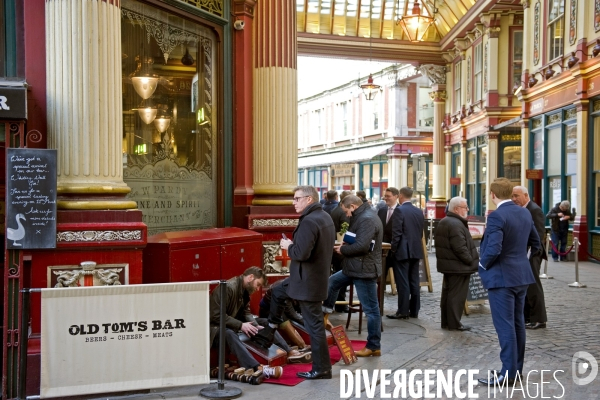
(539, 221)
(503, 252)
(407, 231)
(387, 228)
(311, 252)
(234, 302)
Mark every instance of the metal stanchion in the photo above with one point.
(576, 284)
(429, 246)
(545, 274)
(219, 391)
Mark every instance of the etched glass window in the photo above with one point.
(169, 118)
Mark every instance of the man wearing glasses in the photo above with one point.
(457, 258)
(310, 251)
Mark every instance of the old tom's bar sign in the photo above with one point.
(13, 102)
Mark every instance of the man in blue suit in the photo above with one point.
(505, 271)
(407, 249)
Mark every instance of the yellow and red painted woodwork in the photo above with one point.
(75, 228)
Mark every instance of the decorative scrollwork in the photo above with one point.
(70, 278)
(33, 136)
(212, 6)
(98, 236)
(275, 222)
(435, 73)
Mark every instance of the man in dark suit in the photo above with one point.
(505, 272)
(311, 252)
(407, 250)
(535, 305)
(390, 197)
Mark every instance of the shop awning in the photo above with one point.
(343, 157)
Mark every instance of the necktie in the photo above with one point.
(389, 214)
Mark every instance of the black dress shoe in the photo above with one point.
(414, 316)
(397, 316)
(497, 381)
(342, 309)
(314, 375)
(461, 328)
(535, 325)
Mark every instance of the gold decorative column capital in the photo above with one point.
(438, 96)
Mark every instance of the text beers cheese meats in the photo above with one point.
(122, 327)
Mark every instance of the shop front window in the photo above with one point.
(169, 118)
(595, 159)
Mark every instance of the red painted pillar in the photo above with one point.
(243, 192)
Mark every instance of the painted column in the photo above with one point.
(357, 183)
(525, 149)
(580, 226)
(491, 171)
(275, 160)
(437, 75)
(463, 169)
(439, 168)
(84, 103)
(403, 171)
(395, 170)
(448, 158)
(243, 11)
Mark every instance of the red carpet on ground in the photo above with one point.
(289, 378)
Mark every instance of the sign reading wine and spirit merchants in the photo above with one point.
(30, 198)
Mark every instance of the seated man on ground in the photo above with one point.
(290, 314)
(239, 290)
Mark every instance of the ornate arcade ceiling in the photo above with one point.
(368, 28)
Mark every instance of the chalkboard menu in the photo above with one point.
(476, 289)
(30, 198)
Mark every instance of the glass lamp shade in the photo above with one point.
(145, 85)
(162, 123)
(370, 89)
(415, 25)
(147, 114)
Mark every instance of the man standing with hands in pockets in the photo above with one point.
(505, 272)
(311, 252)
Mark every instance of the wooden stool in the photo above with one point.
(390, 279)
(354, 306)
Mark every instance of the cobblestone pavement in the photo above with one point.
(420, 344)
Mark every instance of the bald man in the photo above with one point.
(535, 305)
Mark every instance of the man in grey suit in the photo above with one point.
(407, 250)
(535, 304)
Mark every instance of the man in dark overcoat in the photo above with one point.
(457, 258)
(310, 251)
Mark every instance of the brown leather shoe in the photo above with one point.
(328, 325)
(368, 353)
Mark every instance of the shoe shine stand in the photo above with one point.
(219, 391)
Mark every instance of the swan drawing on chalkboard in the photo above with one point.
(16, 234)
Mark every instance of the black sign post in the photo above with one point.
(13, 103)
(30, 198)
